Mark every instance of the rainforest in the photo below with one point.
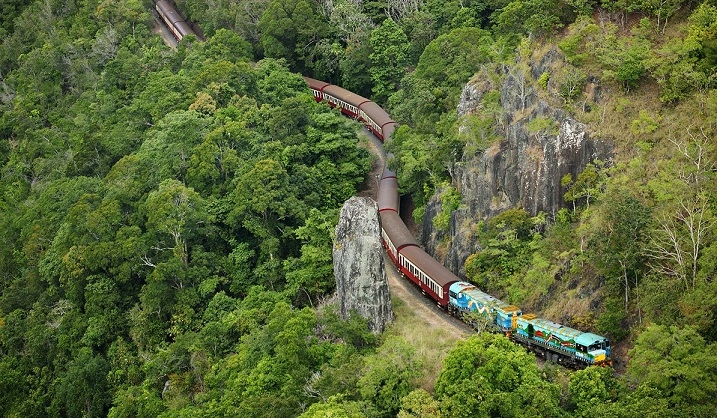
(167, 213)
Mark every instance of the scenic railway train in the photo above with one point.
(555, 342)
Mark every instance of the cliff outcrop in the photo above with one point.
(361, 281)
(539, 144)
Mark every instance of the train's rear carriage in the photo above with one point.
(388, 198)
(168, 12)
(317, 87)
(184, 29)
(375, 118)
(433, 278)
(394, 234)
(349, 102)
(174, 21)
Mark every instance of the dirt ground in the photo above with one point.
(161, 30)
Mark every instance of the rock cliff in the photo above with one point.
(539, 145)
(361, 281)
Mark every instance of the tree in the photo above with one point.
(684, 228)
(389, 58)
(588, 184)
(389, 375)
(177, 211)
(419, 404)
(617, 247)
(680, 364)
(489, 376)
(82, 390)
(591, 386)
(290, 29)
(338, 407)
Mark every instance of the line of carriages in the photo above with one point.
(553, 341)
(173, 19)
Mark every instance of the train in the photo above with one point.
(551, 340)
(173, 19)
(556, 342)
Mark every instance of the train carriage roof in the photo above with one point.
(315, 84)
(485, 299)
(169, 11)
(345, 95)
(400, 236)
(376, 113)
(429, 265)
(588, 339)
(386, 172)
(388, 194)
(556, 329)
(184, 28)
(388, 131)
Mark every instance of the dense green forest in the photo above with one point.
(166, 216)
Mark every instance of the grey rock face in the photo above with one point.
(523, 170)
(361, 281)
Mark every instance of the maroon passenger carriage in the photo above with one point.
(422, 269)
(174, 21)
(376, 119)
(428, 274)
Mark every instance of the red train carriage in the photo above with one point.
(347, 101)
(394, 234)
(317, 87)
(432, 277)
(174, 21)
(388, 192)
(377, 120)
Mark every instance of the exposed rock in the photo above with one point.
(361, 281)
(523, 170)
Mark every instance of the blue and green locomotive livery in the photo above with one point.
(464, 298)
(578, 346)
(554, 341)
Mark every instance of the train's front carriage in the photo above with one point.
(592, 348)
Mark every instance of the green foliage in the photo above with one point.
(592, 386)
(389, 58)
(337, 407)
(287, 28)
(419, 404)
(488, 376)
(543, 80)
(450, 201)
(644, 124)
(536, 17)
(389, 375)
(588, 185)
(507, 245)
(125, 263)
(678, 363)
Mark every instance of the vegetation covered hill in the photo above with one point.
(166, 216)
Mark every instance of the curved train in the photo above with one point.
(551, 340)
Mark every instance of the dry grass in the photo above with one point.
(432, 343)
